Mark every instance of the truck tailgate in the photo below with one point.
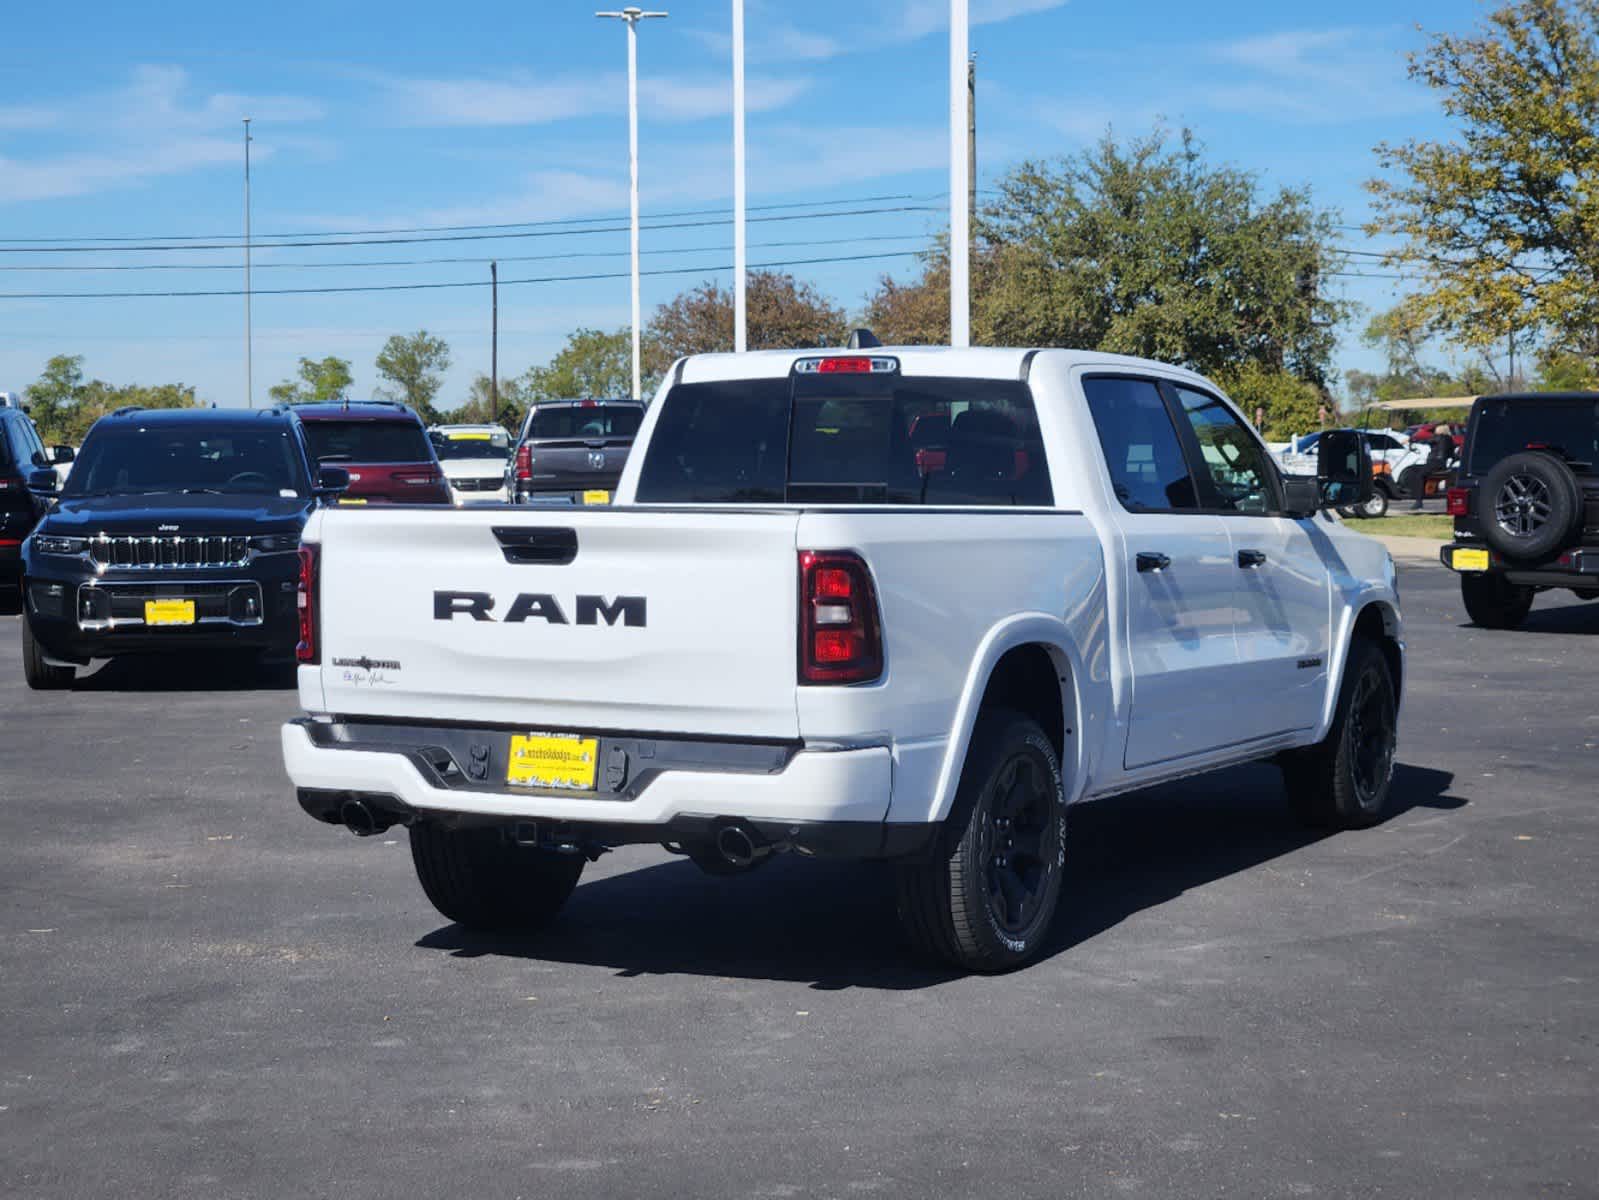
(669, 621)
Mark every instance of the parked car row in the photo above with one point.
(181, 528)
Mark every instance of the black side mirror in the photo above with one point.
(1343, 469)
(63, 454)
(43, 481)
(330, 481)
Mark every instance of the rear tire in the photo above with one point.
(41, 675)
(477, 878)
(1532, 505)
(1495, 603)
(1343, 782)
(988, 898)
(1376, 507)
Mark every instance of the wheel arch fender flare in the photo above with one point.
(1081, 702)
(1373, 610)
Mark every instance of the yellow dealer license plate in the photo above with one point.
(596, 497)
(1469, 560)
(169, 612)
(352, 500)
(552, 760)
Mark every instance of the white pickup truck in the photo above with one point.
(905, 603)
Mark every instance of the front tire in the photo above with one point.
(1344, 781)
(41, 675)
(987, 900)
(1495, 603)
(478, 878)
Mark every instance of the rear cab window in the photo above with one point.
(848, 438)
(584, 421)
(367, 441)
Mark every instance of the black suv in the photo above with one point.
(572, 451)
(1526, 503)
(21, 454)
(177, 529)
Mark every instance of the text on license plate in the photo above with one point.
(169, 612)
(1469, 560)
(552, 760)
(596, 497)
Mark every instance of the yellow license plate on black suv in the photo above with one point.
(1468, 560)
(566, 761)
(169, 612)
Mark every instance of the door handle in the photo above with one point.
(1151, 561)
(1251, 558)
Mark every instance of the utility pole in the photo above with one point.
(971, 134)
(632, 16)
(960, 313)
(740, 259)
(249, 340)
(494, 341)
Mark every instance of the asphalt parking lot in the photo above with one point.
(204, 994)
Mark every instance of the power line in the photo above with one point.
(235, 241)
(418, 262)
(416, 287)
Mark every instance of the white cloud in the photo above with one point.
(1312, 76)
(520, 100)
(150, 127)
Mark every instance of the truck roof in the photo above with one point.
(978, 362)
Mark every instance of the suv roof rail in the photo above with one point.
(126, 409)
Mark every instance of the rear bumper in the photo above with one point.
(1577, 568)
(830, 803)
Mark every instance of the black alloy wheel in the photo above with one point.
(1372, 736)
(1019, 842)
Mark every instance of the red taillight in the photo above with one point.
(840, 638)
(1459, 502)
(305, 600)
(524, 461)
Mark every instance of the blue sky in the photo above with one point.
(122, 120)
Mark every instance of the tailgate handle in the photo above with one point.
(537, 544)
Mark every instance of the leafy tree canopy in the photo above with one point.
(63, 405)
(1502, 221)
(783, 313)
(414, 365)
(319, 380)
(592, 364)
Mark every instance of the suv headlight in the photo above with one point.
(45, 543)
(275, 543)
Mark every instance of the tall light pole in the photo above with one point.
(632, 16)
(960, 224)
(740, 258)
(249, 374)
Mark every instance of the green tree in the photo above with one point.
(319, 380)
(1502, 220)
(481, 409)
(52, 397)
(592, 364)
(414, 365)
(1146, 249)
(783, 313)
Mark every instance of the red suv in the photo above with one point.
(383, 445)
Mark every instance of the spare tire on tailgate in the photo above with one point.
(1530, 505)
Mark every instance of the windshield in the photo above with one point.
(584, 421)
(131, 459)
(863, 439)
(470, 443)
(1505, 427)
(367, 441)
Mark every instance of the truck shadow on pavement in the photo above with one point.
(833, 925)
(193, 672)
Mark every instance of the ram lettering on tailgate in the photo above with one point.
(587, 610)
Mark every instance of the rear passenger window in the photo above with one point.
(1147, 469)
(848, 439)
